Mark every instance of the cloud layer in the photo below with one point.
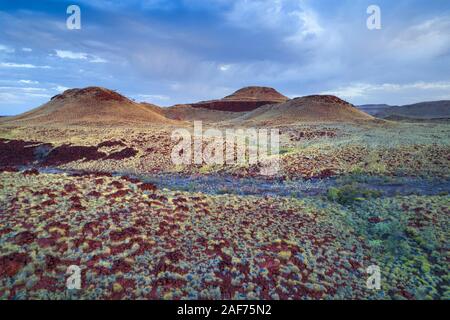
(169, 52)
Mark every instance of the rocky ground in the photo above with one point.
(307, 151)
(133, 241)
(136, 239)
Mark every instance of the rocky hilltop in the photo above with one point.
(245, 99)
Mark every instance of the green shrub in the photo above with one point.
(285, 150)
(350, 194)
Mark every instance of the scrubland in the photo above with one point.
(135, 238)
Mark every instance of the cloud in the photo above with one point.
(28, 82)
(150, 97)
(23, 88)
(60, 88)
(22, 65)
(6, 49)
(98, 60)
(71, 55)
(66, 54)
(20, 96)
(426, 39)
(410, 92)
(362, 89)
(292, 20)
(307, 26)
(27, 49)
(224, 67)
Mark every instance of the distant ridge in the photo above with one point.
(373, 109)
(422, 110)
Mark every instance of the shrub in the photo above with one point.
(350, 194)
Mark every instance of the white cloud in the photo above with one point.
(6, 49)
(96, 59)
(24, 89)
(27, 49)
(363, 89)
(292, 20)
(66, 54)
(63, 54)
(404, 93)
(153, 97)
(22, 65)
(307, 25)
(28, 82)
(246, 13)
(61, 88)
(224, 67)
(21, 95)
(352, 91)
(427, 39)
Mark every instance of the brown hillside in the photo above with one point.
(92, 105)
(317, 108)
(245, 99)
(153, 108)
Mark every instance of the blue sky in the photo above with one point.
(180, 51)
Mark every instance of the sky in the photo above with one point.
(179, 51)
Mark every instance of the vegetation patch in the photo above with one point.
(17, 152)
(351, 194)
(122, 154)
(67, 153)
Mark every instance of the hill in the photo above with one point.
(316, 108)
(245, 99)
(91, 105)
